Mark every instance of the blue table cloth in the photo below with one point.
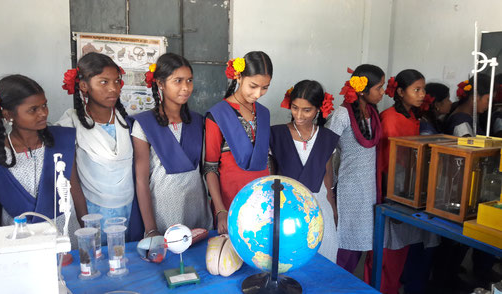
(318, 276)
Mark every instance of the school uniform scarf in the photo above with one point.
(249, 157)
(288, 160)
(176, 157)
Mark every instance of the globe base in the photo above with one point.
(262, 284)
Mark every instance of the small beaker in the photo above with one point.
(117, 221)
(87, 251)
(94, 221)
(116, 250)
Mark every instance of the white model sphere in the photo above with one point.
(178, 238)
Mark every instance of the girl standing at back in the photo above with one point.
(303, 147)
(167, 151)
(26, 154)
(460, 122)
(237, 133)
(358, 125)
(408, 91)
(104, 150)
(436, 106)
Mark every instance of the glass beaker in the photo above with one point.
(116, 250)
(94, 221)
(87, 251)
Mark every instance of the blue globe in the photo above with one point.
(251, 218)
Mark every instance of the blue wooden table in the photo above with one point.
(421, 220)
(318, 276)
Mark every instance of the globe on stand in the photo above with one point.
(275, 246)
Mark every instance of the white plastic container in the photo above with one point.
(116, 251)
(87, 253)
(94, 221)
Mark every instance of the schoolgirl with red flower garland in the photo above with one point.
(408, 91)
(460, 122)
(237, 133)
(436, 106)
(303, 150)
(358, 125)
(104, 153)
(167, 151)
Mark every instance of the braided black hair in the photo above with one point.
(166, 65)
(257, 63)
(405, 79)
(90, 65)
(14, 89)
(374, 74)
(313, 92)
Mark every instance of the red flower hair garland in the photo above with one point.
(348, 93)
(122, 72)
(286, 102)
(149, 79)
(327, 105)
(463, 88)
(428, 100)
(70, 79)
(235, 67)
(391, 87)
(353, 86)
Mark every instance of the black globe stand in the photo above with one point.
(264, 283)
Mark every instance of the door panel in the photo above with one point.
(203, 34)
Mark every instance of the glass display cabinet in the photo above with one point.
(409, 159)
(461, 177)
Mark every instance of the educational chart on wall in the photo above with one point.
(134, 53)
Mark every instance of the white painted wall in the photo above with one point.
(437, 37)
(319, 39)
(305, 40)
(35, 41)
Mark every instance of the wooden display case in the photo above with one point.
(409, 157)
(461, 177)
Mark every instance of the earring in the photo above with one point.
(161, 95)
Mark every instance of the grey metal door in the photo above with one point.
(196, 29)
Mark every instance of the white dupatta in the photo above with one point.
(104, 164)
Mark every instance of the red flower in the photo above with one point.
(350, 70)
(230, 71)
(327, 104)
(121, 70)
(391, 87)
(349, 93)
(460, 89)
(286, 102)
(69, 80)
(428, 100)
(149, 79)
(121, 83)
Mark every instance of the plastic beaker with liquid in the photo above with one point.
(116, 250)
(94, 221)
(87, 252)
